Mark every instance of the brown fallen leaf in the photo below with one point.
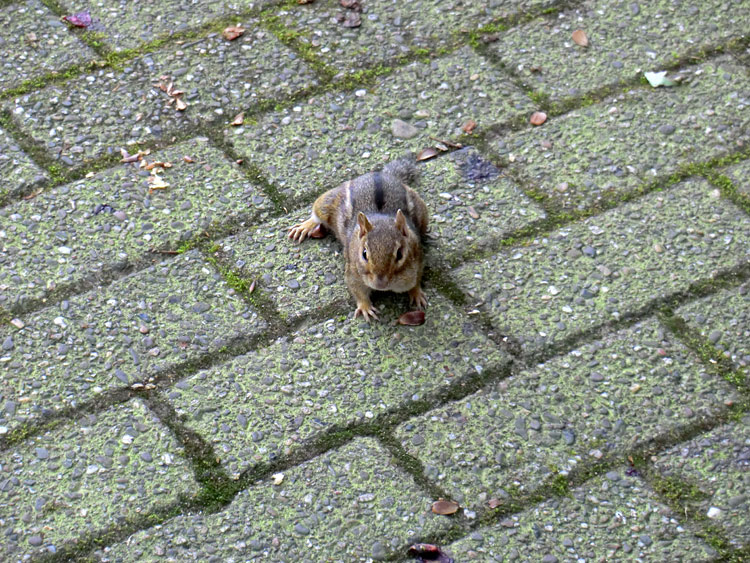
(318, 232)
(579, 37)
(33, 194)
(239, 119)
(538, 117)
(252, 287)
(444, 507)
(233, 32)
(469, 126)
(494, 502)
(427, 154)
(181, 106)
(412, 318)
(447, 143)
(473, 212)
(423, 552)
(351, 4)
(154, 164)
(156, 183)
(188, 159)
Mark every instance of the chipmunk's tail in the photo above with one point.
(405, 169)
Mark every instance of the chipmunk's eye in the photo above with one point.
(364, 254)
(399, 255)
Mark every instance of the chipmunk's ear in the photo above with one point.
(364, 224)
(401, 222)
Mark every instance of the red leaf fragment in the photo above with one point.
(427, 552)
(318, 232)
(427, 154)
(538, 117)
(442, 506)
(494, 502)
(412, 318)
(469, 126)
(81, 19)
(233, 32)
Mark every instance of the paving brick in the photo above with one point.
(114, 337)
(610, 148)
(718, 464)
(125, 24)
(601, 399)
(724, 319)
(66, 235)
(86, 476)
(269, 402)
(609, 266)
(17, 169)
(33, 41)
(612, 518)
(740, 176)
(97, 113)
(625, 40)
(350, 504)
(317, 145)
(390, 29)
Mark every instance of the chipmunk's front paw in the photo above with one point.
(417, 298)
(367, 310)
(302, 231)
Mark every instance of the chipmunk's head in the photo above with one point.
(388, 253)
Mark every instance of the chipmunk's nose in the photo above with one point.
(381, 283)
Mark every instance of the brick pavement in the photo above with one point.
(180, 382)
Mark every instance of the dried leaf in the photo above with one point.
(251, 288)
(318, 232)
(188, 159)
(469, 126)
(427, 154)
(154, 164)
(538, 117)
(351, 4)
(412, 318)
(233, 32)
(427, 552)
(442, 506)
(161, 86)
(473, 212)
(157, 183)
(239, 119)
(32, 195)
(126, 157)
(579, 37)
(278, 478)
(180, 104)
(494, 502)
(657, 79)
(81, 19)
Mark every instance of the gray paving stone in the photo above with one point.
(95, 114)
(298, 278)
(471, 204)
(16, 168)
(740, 176)
(269, 402)
(610, 148)
(33, 41)
(350, 504)
(112, 219)
(117, 336)
(391, 29)
(625, 40)
(600, 399)
(87, 476)
(718, 463)
(125, 24)
(608, 266)
(724, 319)
(607, 519)
(315, 146)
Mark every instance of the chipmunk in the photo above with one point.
(379, 220)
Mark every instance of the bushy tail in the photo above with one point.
(405, 169)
